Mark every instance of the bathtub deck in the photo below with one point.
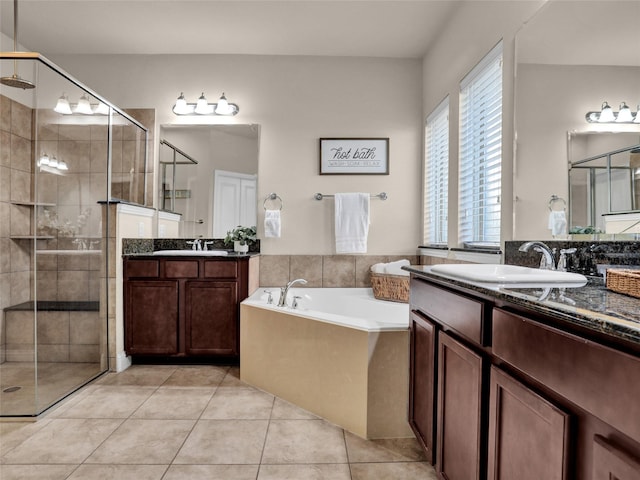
(353, 378)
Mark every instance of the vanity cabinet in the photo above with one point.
(187, 306)
(519, 393)
(422, 372)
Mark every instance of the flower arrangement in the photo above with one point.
(243, 235)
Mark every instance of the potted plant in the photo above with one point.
(241, 237)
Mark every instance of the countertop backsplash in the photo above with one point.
(591, 258)
(132, 246)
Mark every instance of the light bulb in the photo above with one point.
(624, 115)
(223, 107)
(84, 106)
(181, 107)
(44, 160)
(53, 162)
(637, 119)
(101, 109)
(62, 106)
(606, 114)
(203, 107)
(62, 165)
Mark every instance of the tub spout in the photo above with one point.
(285, 290)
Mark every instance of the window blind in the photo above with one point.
(481, 152)
(436, 175)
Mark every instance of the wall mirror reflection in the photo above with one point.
(567, 64)
(604, 179)
(208, 174)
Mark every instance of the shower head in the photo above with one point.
(17, 82)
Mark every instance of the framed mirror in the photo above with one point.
(208, 174)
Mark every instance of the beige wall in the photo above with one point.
(295, 100)
(474, 30)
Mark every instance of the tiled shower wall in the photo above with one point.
(15, 186)
(342, 271)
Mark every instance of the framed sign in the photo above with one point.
(354, 156)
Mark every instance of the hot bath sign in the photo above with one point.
(354, 156)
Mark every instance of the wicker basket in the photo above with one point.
(394, 288)
(624, 281)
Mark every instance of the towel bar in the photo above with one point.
(381, 195)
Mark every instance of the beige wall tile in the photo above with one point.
(21, 120)
(84, 328)
(53, 327)
(73, 285)
(308, 267)
(5, 184)
(5, 256)
(77, 154)
(84, 353)
(20, 186)
(20, 256)
(74, 132)
(5, 148)
(339, 271)
(20, 287)
(20, 220)
(5, 219)
(53, 353)
(21, 156)
(19, 328)
(5, 118)
(274, 270)
(47, 284)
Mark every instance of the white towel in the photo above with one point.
(395, 268)
(378, 268)
(272, 223)
(557, 222)
(352, 222)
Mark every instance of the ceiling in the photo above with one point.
(375, 28)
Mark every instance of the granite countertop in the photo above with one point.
(230, 254)
(591, 306)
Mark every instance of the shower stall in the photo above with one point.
(65, 153)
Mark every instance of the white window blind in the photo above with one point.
(436, 175)
(481, 152)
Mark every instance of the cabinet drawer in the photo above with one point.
(463, 314)
(142, 268)
(181, 269)
(602, 381)
(611, 462)
(220, 269)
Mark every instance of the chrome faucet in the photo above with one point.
(284, 290)
(195, 244)
(547, 261)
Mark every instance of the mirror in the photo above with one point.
(604, 178)
(570, 57)
(208, 174)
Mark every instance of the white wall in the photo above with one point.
(296, 100)
(475, 29)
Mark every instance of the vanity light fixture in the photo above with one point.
(203, 107)
(52, 164)
(607, 115)
(83, 106)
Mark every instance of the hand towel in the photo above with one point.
(395, 268)
(352, 222)
(557, 222)
(272, 224)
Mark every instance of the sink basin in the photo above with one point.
(508, 274)
(198, 253)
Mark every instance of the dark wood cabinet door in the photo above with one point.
(151, 317)
(528, 436)
(421, 385)
(211, 318)
(612, 463)
(460, 441)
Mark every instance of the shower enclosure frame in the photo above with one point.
(107, 261)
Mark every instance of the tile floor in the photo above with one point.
(193, 422)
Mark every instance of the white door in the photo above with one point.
(234, 201)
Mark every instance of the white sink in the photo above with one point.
(198, 253)
(508, 274)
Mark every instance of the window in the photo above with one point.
(481, 152)
(436, 175)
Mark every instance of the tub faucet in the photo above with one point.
(547, 261)
(284, 290)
